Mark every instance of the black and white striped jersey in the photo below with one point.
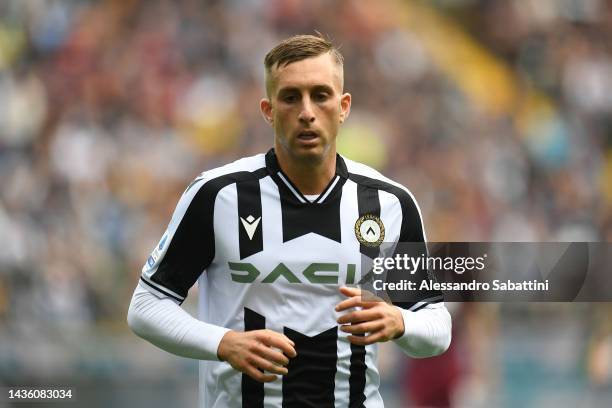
(266, 256)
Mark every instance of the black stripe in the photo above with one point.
(252, 391)
(368, 203)
(311, 378)
(357, 379)
(411, 232)
(249, 213)
(420, 307)
(412, 229)
(192, 247)
(301, 218)
(162, 291)
(322, 219)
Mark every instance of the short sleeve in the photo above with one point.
(187, 247)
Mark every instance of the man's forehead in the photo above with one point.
(319, 70)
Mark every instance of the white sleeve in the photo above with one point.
(165, 324)
(427, 332)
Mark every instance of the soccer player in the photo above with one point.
(275, 242)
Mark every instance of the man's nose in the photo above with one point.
(306, 114)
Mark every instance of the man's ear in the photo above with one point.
(345, 106)
(265, 106)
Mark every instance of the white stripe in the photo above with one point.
(343, 372)
(425, 301)
(321, 199)
(291, 187)
(162, 288)
(156, 292)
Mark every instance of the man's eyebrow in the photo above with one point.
(324, 88)
(288, 89)
(315, 88)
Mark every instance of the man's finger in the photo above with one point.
(266, 365)
(357, 316)
(348, 304)
(257, 375)
(272, 355)
(366, 340)
(349, 291)
(366, 296)
(272, 333)
(356, 301)
(280, 341)
(363, 328)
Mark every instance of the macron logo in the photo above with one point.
(250, 225)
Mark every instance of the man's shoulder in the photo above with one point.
(367, 176)
(246, 168)
(239, 167)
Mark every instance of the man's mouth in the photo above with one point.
(307, 135)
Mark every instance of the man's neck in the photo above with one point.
(309, 177)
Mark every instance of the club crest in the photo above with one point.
(370, 230)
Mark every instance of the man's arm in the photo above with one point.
(185, 250)
(424, 333)
(165, 324)
(427, 332)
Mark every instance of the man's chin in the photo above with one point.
(305, 154)
(314, 155)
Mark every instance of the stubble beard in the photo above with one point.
(305, 157)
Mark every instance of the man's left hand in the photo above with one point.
(375, 321)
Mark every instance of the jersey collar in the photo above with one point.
(292, 193)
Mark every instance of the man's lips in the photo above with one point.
(307, 135)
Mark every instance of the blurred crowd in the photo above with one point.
(108, 109)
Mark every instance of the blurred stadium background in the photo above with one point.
(496, 114)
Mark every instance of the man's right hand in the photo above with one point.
(253, 351)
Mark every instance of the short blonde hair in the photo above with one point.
(297, 48)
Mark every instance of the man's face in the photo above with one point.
(306, 107)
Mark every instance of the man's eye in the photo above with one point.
(290, 98)
(322, 96)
